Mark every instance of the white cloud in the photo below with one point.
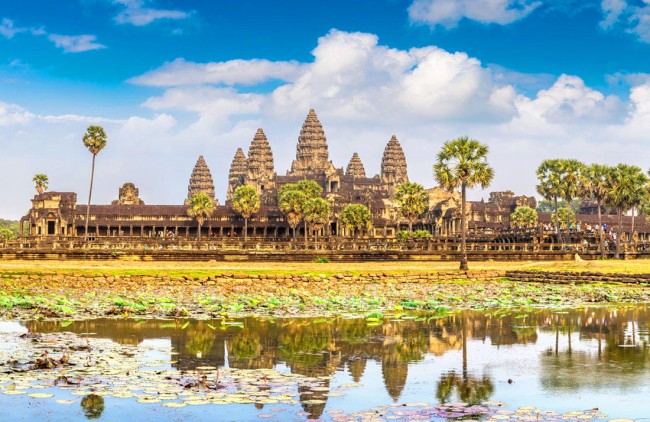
(448, 13)
(612, 9)
(180, 72)
(8, 30)
(135, 13)
(12, 114)
(76, 43)
(632, 18)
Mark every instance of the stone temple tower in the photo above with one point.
(200, 181)
(393, 166)
(312, 156)
(261, 171)
(238, 172)
(355, 167)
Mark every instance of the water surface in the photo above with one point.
(557, 360)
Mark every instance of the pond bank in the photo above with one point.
(66, 295)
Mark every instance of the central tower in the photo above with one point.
(312, 156)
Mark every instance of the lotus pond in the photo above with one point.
(591, 363)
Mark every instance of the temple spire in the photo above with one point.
(201, 180)
(261, 170)
(355, 167)
(393, 165)
(238, 171)
(312, 154)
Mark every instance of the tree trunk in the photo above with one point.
(245, 229)
(568, 219)
(410, 229)
(294, 233)
(618, 237)
(463, 230)
(600, 232)
(305, 226)
(557, 222)
(199, 230)
(632, 228)
(90, 193)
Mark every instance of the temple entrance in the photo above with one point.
(51, 227)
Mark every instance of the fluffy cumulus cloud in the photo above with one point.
(76, 43)
(135, 12)
(632, 17)
(363, 92)
(246, 72)
(448, 13)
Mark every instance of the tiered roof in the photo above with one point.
(355, 167)
(393, 164)
(201, 180)
(238, 171)
(311, 154)
(260, 157)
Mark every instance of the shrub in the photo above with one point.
(402, 236)
(322, 260)
(421, 234)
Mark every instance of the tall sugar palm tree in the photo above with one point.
(200, 207)
(625, 185)
(572, 176)
(550, 185)
(95, 140)
(317, 213)
(246, 202)
(41, 182)
(411, 200)
(595, 187)
(462, 164)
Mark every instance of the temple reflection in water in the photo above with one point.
(320, 347)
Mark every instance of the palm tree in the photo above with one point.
(95, 140)
(41, 182)
(246, 202)
(595, 187)
(550, 185)
(462, 163)
(626, 184)
(317, 213)
(411, 200)
(290, 202)
(572, 181)
(200, 207)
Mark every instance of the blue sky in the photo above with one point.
(173, 79)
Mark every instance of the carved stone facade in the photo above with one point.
(129, 195)
(355, 167)
(393, 166)
(238, 172)
(200, 181)
(58, 214)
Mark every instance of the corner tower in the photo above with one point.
(355, 167)
(200, 181)
(261, 170)
(393, 166)
(238, 172)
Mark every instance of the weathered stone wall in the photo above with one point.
(576, 277)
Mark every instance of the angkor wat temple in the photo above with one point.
(58, 214)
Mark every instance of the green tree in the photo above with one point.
(356, 217)
(626, 185)
(316, 213)
(462, 164)
(595, 187)
(246, 202)
(523, 217)
(572, 180)
(411, 200)
(200, 207)
(6, 234)
(291, 198)
(290, 202)
(95, 140)
(550, 185)
(562, 218)
(41, 182)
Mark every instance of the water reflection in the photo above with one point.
(92, 406)
(584, 348)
